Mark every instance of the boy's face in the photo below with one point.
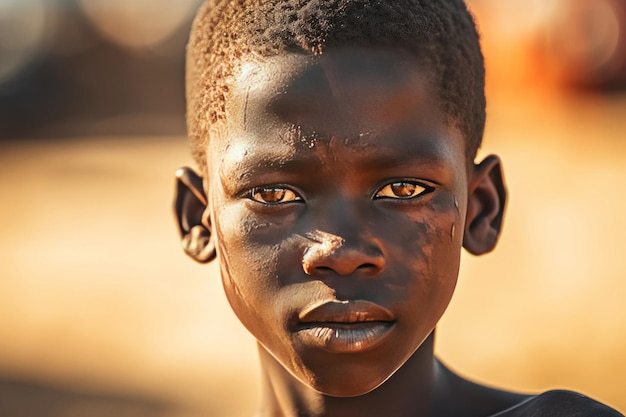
(337, 197)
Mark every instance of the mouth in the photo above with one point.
(344, 326)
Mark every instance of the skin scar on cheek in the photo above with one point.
(453, 228)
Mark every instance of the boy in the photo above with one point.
(336, 142)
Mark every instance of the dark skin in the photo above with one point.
(337, 198)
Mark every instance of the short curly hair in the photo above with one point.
(227, 32)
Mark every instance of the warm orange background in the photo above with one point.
(96, 296)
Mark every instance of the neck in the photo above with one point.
(408, 392)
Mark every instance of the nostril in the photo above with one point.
(364, 267)
(337, 266)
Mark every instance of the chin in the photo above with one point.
(345, 383)
(347, 390)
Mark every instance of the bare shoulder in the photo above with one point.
(559, 404)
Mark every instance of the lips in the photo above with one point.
(344, 326)
(345, 312)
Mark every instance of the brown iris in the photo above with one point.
(273, 195)
(401, 189)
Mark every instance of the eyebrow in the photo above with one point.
(298, 169)
(288, 161)
(267, 162)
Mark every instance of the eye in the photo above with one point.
(273, 194)
(402, 190)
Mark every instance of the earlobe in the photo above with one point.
(485, 206)
(194, 225)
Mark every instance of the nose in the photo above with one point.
(345, 257)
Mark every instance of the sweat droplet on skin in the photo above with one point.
(452, 230)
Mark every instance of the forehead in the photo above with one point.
(362, 96)
(320, 90)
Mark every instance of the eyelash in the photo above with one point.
(291, 196)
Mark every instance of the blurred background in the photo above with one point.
(101, 313)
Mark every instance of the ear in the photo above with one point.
(194, 225)
(485, 206)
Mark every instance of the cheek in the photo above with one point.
(244, 265)
(446, 236)
(247, 236)
(434, 234)
(429, 251)
(249, 249)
